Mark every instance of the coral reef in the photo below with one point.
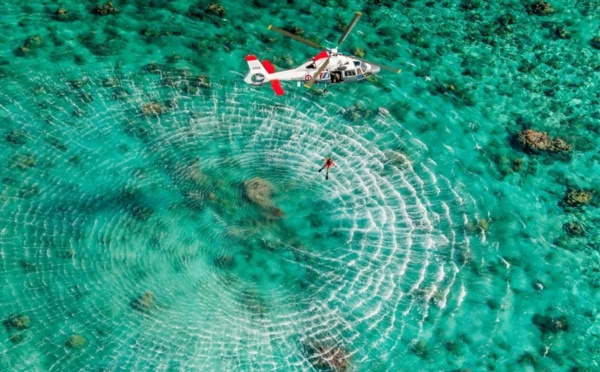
(151, 108)
(140, 212)
(63, 15)
(574, 228)
(540, 8)
(508, 165)
(34, 41)
(224, 262)
(213, 12)
(419, 347)
(17, 137)
(533, 141)
(23, 161)
(479, 225)
(105, 9)
(356, 112)
(333, 358)
(76, 342)
(577, 198)
(215, 9)
(549, 324)
(258, 191)
(295, 30)
(14, 325)
(359, 52)
(145, 302)
(561, 33)
(31, 43)
(17, 322)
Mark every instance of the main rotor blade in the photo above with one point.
(317, 74)
(295, 37)
(349, 28)
(393, 69)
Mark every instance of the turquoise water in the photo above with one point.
(130, 239)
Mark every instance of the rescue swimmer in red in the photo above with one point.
(328, 164)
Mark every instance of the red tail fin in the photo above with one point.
(274, 83)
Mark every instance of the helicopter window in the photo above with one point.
(356, 63)
(350, 73)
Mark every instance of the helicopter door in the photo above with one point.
(336, 77)
(350, 75)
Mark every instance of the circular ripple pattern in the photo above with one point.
(133, 240)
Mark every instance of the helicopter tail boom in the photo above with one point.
(259, 74)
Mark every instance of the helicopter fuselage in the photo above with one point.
(327, 67)
(340, 69)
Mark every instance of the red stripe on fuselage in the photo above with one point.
(268, 66)
(251, 58)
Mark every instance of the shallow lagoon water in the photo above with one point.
(129, 240)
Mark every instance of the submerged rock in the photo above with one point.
(577, 198)
(534, 141)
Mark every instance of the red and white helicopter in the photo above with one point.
(329, 66)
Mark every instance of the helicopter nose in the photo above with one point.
(375, 69)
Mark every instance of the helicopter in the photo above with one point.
(328, 67)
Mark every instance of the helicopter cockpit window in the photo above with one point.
(356, 63)
(350, 73)
(363, 66)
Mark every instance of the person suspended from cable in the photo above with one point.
(328, 164)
